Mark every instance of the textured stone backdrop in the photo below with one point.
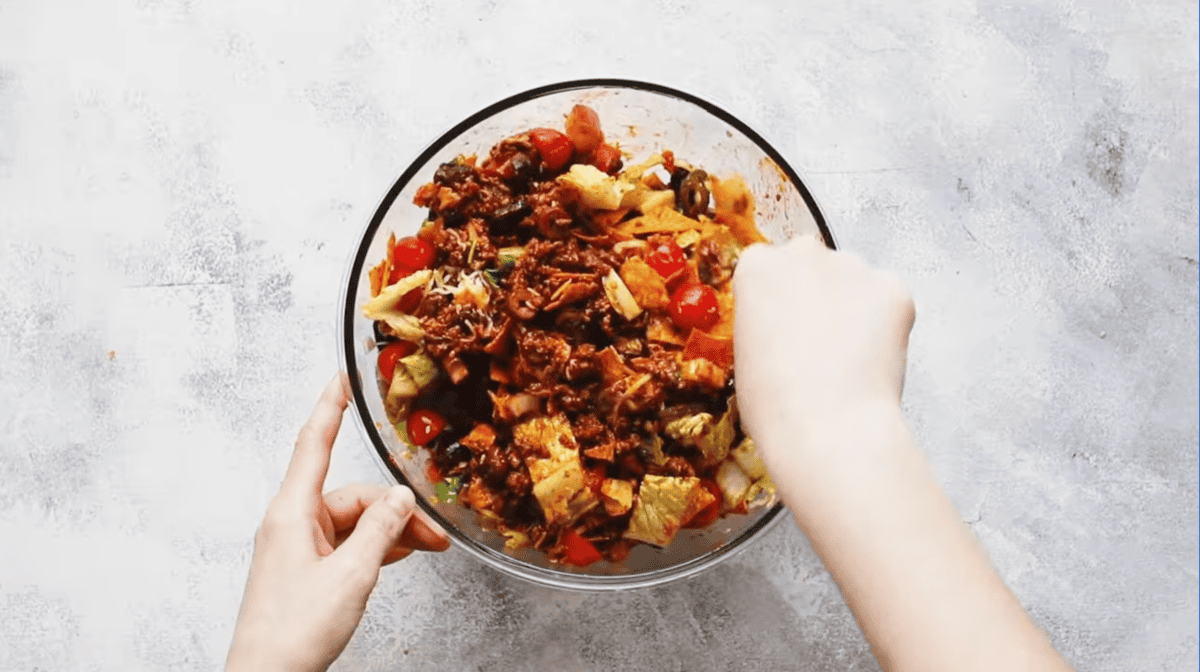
(181, 184)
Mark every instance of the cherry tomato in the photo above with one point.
(695, 307)
(705, 517)
(666, 258)
(607, 158)
(391, 354)
(409, 302)
(583, 127)
(413, 254)
(397, 273)
(580, 551)
(556, 149)
(424, 425)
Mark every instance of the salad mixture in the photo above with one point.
(558, 337)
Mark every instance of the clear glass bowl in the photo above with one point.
(643, 119)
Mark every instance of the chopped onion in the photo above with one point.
(522, 404)
(733, 483)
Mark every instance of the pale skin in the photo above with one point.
(818, 387)
(317, 557)
(820, 392)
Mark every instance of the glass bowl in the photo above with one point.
(643, 119)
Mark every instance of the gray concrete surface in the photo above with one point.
(181, 183)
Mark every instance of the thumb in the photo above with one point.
(379, 528)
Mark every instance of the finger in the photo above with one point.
(805, 244)
(379, 528)
(753, 261)
(396, 554)
(348, 503)
(310, 460)
(422, 534)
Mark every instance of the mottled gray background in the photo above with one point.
(181, 184)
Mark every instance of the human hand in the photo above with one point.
(317, 557)
(820, 345)
(819, 337)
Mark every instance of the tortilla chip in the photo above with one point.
(662, 330)
(617, 495)
(719, 351)
(661, 507)
(612, 365)
(724, 326)
(645, 284)
(662, 220)
(604, 451)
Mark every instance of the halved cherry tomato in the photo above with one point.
(424, 425)
(705, 517)
(669, 161)
(413, 254)
(607, 158)
(583, 127)
(556, 149)
(580, 551)
(666, 258)
(695, 306)
(409, 302)
(391, 354)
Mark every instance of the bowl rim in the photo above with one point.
(347, 315)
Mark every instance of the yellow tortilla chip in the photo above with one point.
(664, 504)
(617, 495)
(662, 220)
(558, 481)
(662, 330)
(645, 284)
(724, 326)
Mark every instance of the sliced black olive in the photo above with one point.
(453, 173)
(677, 177)
(505, 219)
(692, 197)
(457, 452)
(453, 218)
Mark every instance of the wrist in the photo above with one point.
(832, 450)
(820, 433)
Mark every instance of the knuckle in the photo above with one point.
(275, 520)
(387, 523)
